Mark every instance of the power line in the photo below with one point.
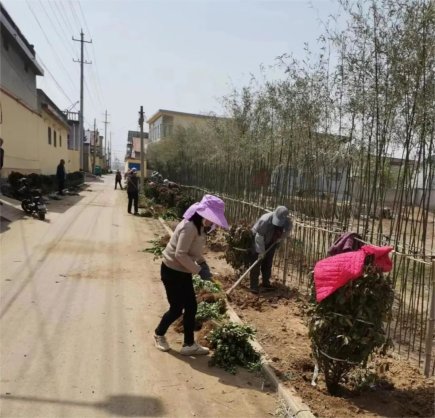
(58, 22)
(74, 14)
(95, 85)
(56, 82)
(59, 61)
(63, 17)
(66, 14)
(73, 52)
(84, 18)
(98, 84)
(94, 105)
(93, 78)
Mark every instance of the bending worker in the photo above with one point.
(268, 231)
(183, 257)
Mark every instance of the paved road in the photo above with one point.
(79, 303)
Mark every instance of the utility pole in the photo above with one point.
(95, 146)
(142, 171)
(105, 148)
(110, 152)
(81, 61)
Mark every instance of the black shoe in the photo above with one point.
(267, 286)
(136, 213)
(254, 291)
(129, 211)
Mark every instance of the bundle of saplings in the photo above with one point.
(239, 239)
(173, 198)
(348, 326)
(232, 347)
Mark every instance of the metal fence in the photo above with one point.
(411, 321)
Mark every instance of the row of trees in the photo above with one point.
(345, 133)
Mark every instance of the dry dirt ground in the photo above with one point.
(281, 327)
(79, 303)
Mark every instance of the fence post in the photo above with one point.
(430, 326)
(285, 269)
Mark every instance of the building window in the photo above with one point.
(60, 141)
(49, 136)
(54, 139)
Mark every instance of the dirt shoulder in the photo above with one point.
(279, 317)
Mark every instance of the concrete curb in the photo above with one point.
(295, 405)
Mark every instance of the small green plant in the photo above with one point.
(232, 348)
(206, 285)
(170, 215)
(158, 245)
(209, 310)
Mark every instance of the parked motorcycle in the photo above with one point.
(31, 199)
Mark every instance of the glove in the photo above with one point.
(205, 272)
(261, 255)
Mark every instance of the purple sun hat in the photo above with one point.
(211, 208)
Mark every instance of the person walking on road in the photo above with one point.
(267, 231)
(2, 157)
(60, 175)
(133, 191)
(183, 257)
(118, 179)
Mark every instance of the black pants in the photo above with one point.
(265, 266)
(181, 296)
(133, 197)
(61, 185)
(118, 182)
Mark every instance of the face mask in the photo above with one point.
(208, 229)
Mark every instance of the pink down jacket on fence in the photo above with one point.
(331, 273)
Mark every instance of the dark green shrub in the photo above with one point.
(182, 202)
(74, 179)
(47, 183)
(150, 191)
(232, 348)
(13, 178)
(239, 239)
(176, 199)
(348, 326)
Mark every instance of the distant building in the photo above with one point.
(132, 155)
(53, 138)
(163, 123)
(18, 63)
(93, 152)
(73, 138)
(18, 98)
(35, 131)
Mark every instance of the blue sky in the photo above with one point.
(179, 55)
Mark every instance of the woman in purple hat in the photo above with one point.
(182, 258)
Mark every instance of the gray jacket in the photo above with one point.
(264, 230)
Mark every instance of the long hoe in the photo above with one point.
(247, 271)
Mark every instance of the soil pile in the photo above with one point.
(393, 388)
